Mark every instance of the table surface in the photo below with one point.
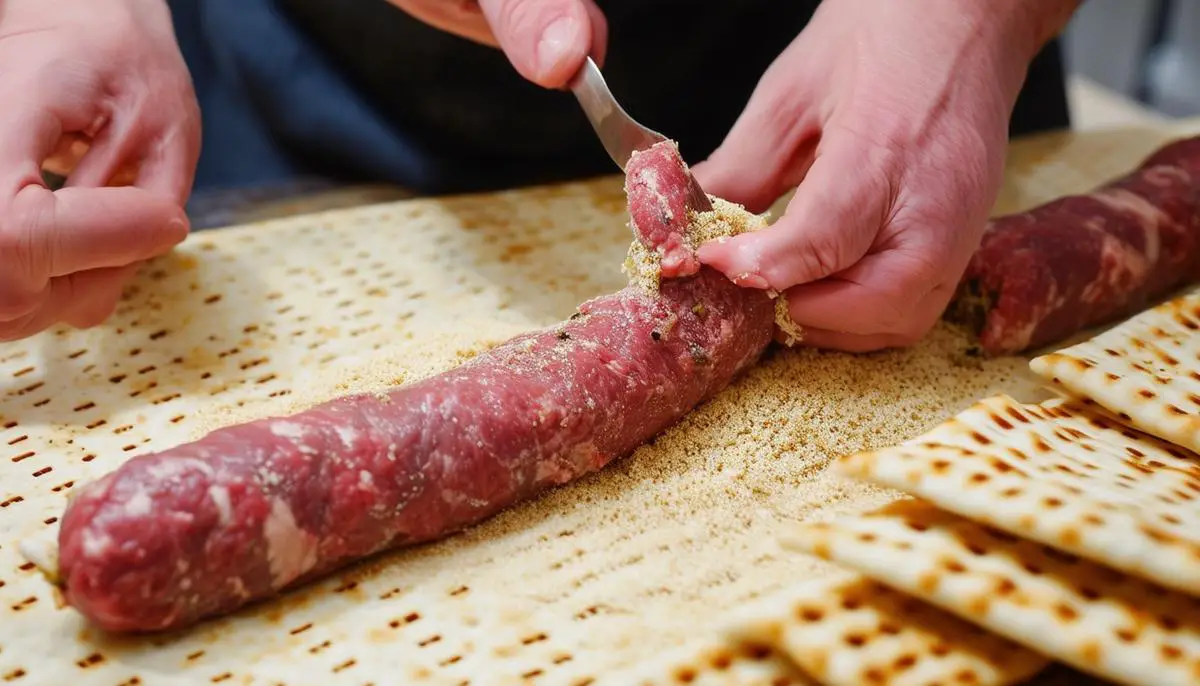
(249, 321)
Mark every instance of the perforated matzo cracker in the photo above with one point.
(1146, 370)
(1059, 474)
(621, 567)
(714, 662)
(1083, 614)
(848, 630)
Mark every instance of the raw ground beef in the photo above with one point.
(1086, 260)
(204, 528)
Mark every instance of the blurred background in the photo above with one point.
(1143, 52)
(1129, 62)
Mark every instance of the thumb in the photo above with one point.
(546, 40)
(830, 223)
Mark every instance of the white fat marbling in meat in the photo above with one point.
(291, 551)
(139, 505)
(293, 431)
(347, 434)
(220, 498)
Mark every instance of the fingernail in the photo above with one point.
(557, 41)
(748, 280)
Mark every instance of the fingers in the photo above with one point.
(100, 162)
(164, 163)
(546, 40)
(599, 24)
(460, 17)
(92, 228)
(83, 226)
(830, 223)
(771, 144)
(877, 295)
(90, 297)
(168, 168)
(861, 317)
(82, 300)
(852, 343)
(49, 235)
(761, 158)
(67, 154)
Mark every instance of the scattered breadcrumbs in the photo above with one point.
(600, 574)
(726, 219)
(792, 332)
(611, 570)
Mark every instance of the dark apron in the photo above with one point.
(357, 90)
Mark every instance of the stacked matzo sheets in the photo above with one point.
(1061, 475)
(1146, 370)
(1070, 527)
(1067, 531)
(844, 630)
(1082, 613)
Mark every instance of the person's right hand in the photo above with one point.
(100, 87)
(546, 40)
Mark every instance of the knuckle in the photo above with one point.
(20, 263)
(777, 110)
(14, 246)
(816, 259)
(926, 268)
(825, 257)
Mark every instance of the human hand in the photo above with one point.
(96, 89)
(893, 120)
(546, 40)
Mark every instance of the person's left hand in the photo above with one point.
(892, 118)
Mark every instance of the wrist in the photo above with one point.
(1010, 33)
(1028, 25)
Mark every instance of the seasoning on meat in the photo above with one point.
(204, 528)
(666, 252)
(1085, 260)
(664, 249)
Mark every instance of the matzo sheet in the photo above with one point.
(595, 577)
